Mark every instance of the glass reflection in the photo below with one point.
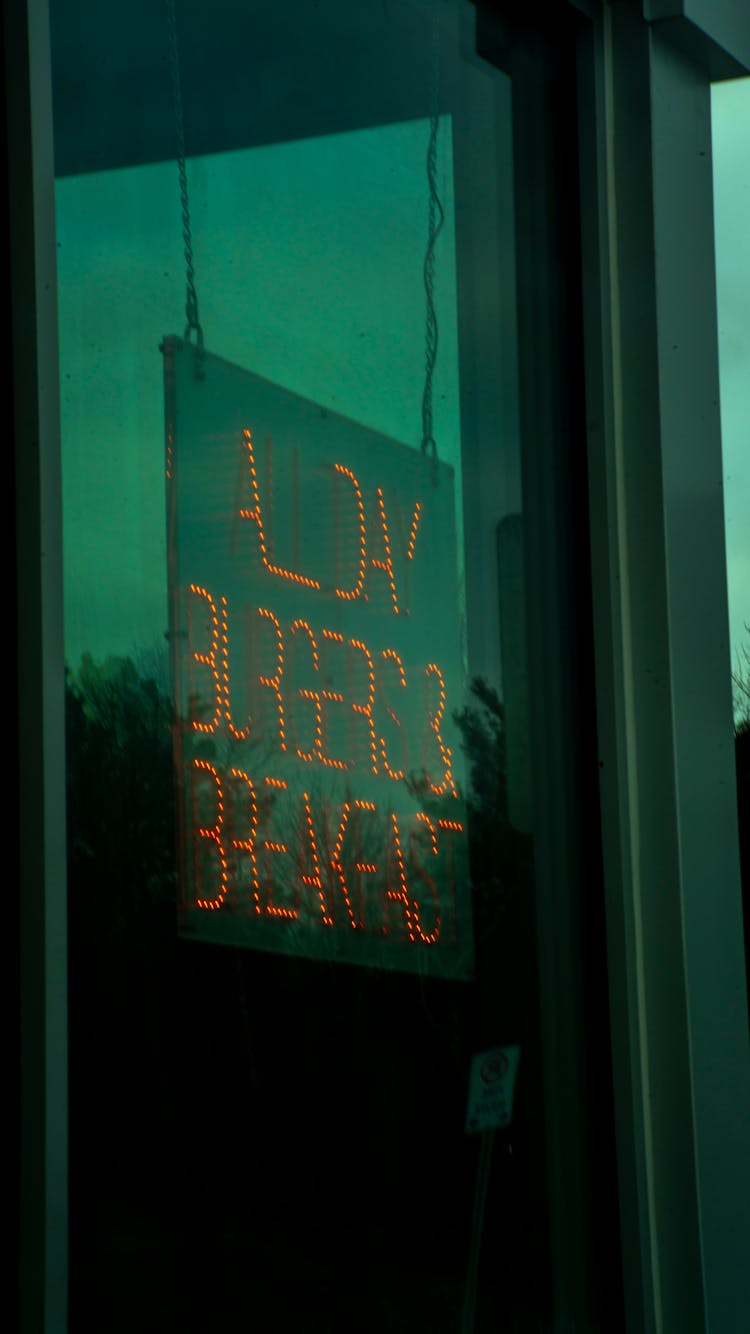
(730, 109)
(257, 1135)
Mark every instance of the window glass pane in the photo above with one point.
(270, 1124)
(730, 109)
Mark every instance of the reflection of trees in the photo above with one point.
(119, 794)
(121, 818)
(741, 687)
(172, 1043)
(121, 915)
(741, 692)
(121, 821)
(500, 856)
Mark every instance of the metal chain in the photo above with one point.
(436, 218)
(191, 301)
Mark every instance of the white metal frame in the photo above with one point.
(677, 977)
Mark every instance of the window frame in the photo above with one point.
(676, 970)
(40, 717)
(677, 979)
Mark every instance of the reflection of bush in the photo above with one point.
(741, 687)
(742, 758)
(121, 922)
(499, 856)
(215, 1092)
(741, 700)
(121, 806)
(119, 795)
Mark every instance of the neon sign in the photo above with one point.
(315, 647)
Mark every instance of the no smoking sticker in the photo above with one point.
(492, 1082)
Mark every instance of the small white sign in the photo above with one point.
(492, 1083)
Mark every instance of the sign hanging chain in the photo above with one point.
(436, 218)
(191, 301)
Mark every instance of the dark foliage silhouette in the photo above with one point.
(219, 1097)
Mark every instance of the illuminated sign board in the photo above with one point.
(316, 663)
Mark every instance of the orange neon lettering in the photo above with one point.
(273, 847)
(273, 683)
(427, 937)
(212, 834)
(314, 881)
(240, 734)
(447, 784)
(169, 463)
(255, 515)
(208, 660)
(368, 868)
(411, 544)
(366, 710)
(407, 544)
(312, 696)
(350, 594)
(385, 565)
(401, 893)
(248, 844)
(328, 697)
(363, 868)
(390, 655)
(337, 867)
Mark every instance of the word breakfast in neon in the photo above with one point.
(303, 698)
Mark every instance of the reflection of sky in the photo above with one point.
(309, 272)
(399, 596)
(731, 151)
